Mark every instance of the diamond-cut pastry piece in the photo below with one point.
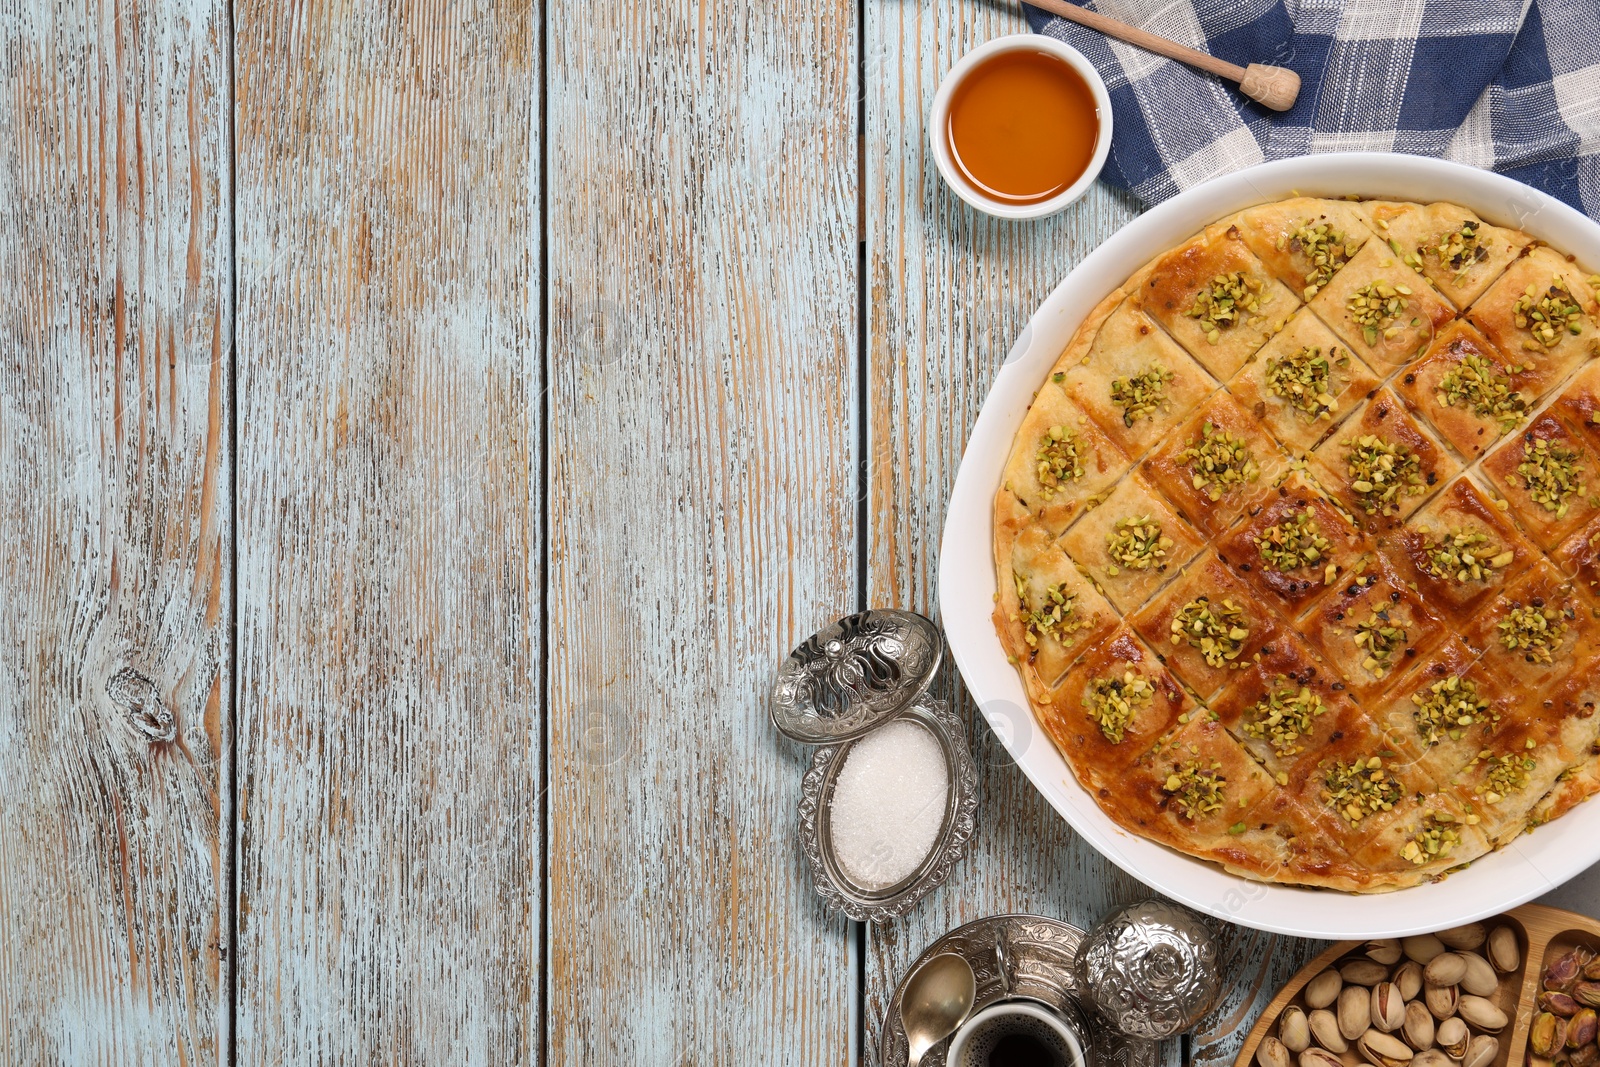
(1135, 383)
(1506, 778)
(1047, 612)
(1578, 405)
(1206, 625)
(1381, 464)
(1132, 543)
(1303, 382)
(1197, 784)
(1294, 547)
(1065, 460)
(1427, 833)
(1442, 711)
(1217, 465)
(1283, 708)
(1458, 550)
(1541, 312)
(1467, 390)
(1578, 700)
(1579, 557)
(1385, 311)
(1304, 241)
(1111, 708)
(1369, 630)
(1457, 251)
(1352, 783)
(1549, 476)
(1216, 299)
(1532, 632)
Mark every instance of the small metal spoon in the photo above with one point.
(935, 1001)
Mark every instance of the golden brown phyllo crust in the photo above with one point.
(1298, 547)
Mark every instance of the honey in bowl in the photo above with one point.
(1023, 126)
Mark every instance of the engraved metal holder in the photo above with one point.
(1150, 968)
(960, 819)
(855, 674)
(1040, 954)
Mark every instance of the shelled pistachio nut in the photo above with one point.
(1558, 1003)
(1293, 1030)
(1447, 968)
(1355, 1011)
(1388, 1007)
(1325, 1030)
(1442, 1000)
(1591, 969)
(1383, 1050)
(1422, 948)
(1452, 1036)
(1384, 950)
(1363, 972)
(1408, 977)
(1587, 993)
(1323, 989)
(1481, 1051)
(1271, 1053)
(1582, 1030)
(1482, 1014)
(1479, 979)
(1547, 1034)
(1468, 936)
(1319, 1057)
(1587, 1056)
(1563, 972)
(1418, 1028)
(1504, 952)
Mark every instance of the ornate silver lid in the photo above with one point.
(855, 674)
(1150, 969)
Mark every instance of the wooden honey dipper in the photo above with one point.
(1276, 87)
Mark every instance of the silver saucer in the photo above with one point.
(1042, 952)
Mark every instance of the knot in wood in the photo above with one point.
(136, 695)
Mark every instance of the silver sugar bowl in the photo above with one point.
(1150, 969)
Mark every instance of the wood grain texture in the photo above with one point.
(115, 695)
(389, 533)
(703, 290)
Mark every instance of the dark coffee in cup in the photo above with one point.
(1015, 1034)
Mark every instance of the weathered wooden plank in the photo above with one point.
(389, 533)
(115, 474)
(702, 222)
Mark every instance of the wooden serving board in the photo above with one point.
(1542, 934)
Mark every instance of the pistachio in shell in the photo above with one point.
(1442, 1000)
(1504, 952)
(1388, 1007)
(1547, 1034)
(1383, 1050)
(1481, 1051)
(1452, 1036)
(1447, 968)
(1418, 1028)
(1319, 1057)
(1422, 948)
(1466, 937)
(1408, 978)
(1325, 1030)
(1293, 1030)
(1355, 1011)
(1482, 1014)
(1271, 1053)
(1323, 989)
(1479, 979)
(1558, 1003)
(1431, 1057)
(1583, 1029)
(1363, 972)
(1384, 950)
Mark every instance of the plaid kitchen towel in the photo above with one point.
(1511, 85)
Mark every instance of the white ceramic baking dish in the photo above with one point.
(1534, 863)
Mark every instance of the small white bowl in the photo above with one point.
(939, 120)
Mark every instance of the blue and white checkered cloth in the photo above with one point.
(1510, 85)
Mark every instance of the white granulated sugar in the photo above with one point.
(888, 803)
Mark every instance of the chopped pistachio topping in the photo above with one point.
(1477, 384)
(1446, 708)
(1550, 474)
(1533, 631)
(1356, 790)
(1465, 556)
(1052, 615)
(1548, 316)
(1058, 460)
(1112, 702)
(1218, 460)
(1325, 250)
(1380, 471)
(1197, 789)
(1307, 379)
(1375, 306)
(1225, 302)
(1435, 839)
(1218, 629)
(1284, 716)
(1141, 395)
(1459, 250)
(1508, 772)
(1380, 640)
(1295, 542)
(1136, 542)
